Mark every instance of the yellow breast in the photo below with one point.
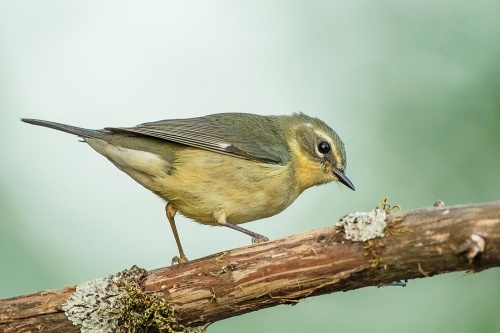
(204, 182)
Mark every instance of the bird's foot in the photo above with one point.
(260, 239)
(179, 260)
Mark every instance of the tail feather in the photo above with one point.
(82, 132)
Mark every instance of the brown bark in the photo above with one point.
(417, 244)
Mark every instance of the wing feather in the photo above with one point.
(241, 135)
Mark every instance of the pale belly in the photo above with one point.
(244, 190)
(199, 183)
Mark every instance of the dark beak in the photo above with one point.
(343, 178)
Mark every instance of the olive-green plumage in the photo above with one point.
(223, 169)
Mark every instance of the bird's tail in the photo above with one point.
(82, 132)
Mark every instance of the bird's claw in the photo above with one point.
(259, 240)
(179, 260)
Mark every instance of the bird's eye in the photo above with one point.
(323, 147)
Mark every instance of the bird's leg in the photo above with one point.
(220, 217)
(171, 211)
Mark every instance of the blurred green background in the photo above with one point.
(412, 87)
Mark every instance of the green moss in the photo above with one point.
(142, 311)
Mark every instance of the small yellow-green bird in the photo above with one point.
(222, 169)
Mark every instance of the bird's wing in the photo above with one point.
(241, 135)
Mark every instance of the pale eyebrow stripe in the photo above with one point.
(335, 152)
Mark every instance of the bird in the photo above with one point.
(222, 169)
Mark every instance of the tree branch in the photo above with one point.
(418, 243)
